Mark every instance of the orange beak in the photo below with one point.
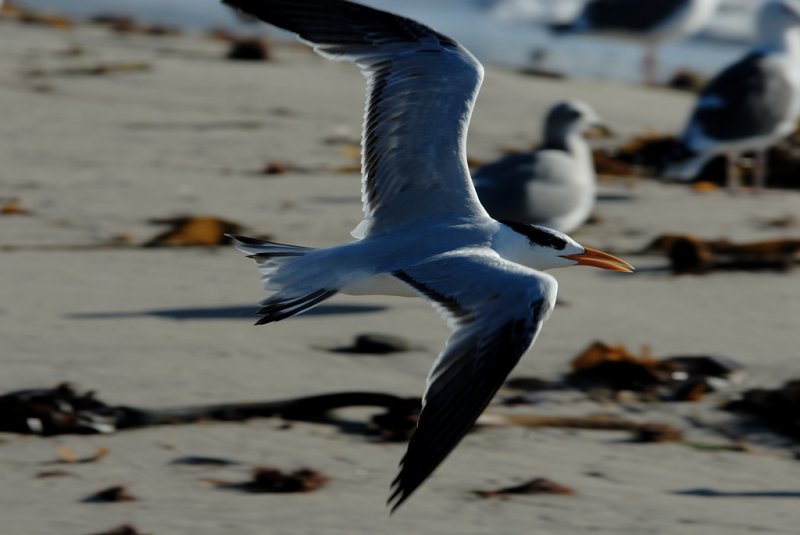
(599, 259)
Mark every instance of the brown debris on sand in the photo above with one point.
(63, 410)
(786, 221)
(195, 460)
(656, 433)
(24, 15)
(687, 80)
(375, 344)
(52, 411)
(249, 49)
(642, 431)
(614, 369)
(398, 423)
(126, 24)
(44, 474)
(70, 457)
(125, 529)
(690, 254)
(12, 207)
(99, 69)
(539, 485)
(276, 168)
(185, 231)
(607, 165)
(641, 156)
(271, 480)
(777, 408)
(704, 186)
(115, 494)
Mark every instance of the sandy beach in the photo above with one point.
(177, 129)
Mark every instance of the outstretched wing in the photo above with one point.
(496, 309)
(421, 87)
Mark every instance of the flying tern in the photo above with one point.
(424, 231)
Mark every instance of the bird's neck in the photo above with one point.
(568, 141)
(573, 143)
(516, 247)
(512, 246)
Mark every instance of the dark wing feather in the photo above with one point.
(630, 15)
(753, 97)
(496, 309)
(338, 25)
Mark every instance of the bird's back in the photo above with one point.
(753, 97)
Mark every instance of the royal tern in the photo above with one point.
(750, 105)
(554, 185)
(650, 22)
(424, 232)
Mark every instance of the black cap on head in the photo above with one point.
(538, 235)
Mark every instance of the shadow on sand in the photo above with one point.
(247, 312)
(713, 493)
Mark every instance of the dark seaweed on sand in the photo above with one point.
(63, 410)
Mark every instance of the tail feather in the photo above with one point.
(262, 249)
(280, 307)
(283, 272)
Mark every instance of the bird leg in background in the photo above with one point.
(650, 65)
(760, 171)
(733, 177)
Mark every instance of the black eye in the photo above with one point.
(538, 235)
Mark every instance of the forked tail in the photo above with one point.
(283, 272)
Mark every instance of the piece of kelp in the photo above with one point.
(63, 410)
(689, 254)
(778, 409)
(613, 368)
(266, 479)
(539, 485)
(184, 231)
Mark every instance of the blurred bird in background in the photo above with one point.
(749, 105)
(650, 22)
(553, 185)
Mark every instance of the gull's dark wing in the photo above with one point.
(421, 88)
(629, 15)
(751, 98)
(496, 309)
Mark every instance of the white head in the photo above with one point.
(776, 17)
(567, 119)
(543, 248)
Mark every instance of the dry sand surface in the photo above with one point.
(94, 157)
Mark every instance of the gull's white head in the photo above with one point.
(570, 118)
(776, 17)
(543, 248)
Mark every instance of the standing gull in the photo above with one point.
(424, 232)
(750, 105)
(554, 185)
(651, 22)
